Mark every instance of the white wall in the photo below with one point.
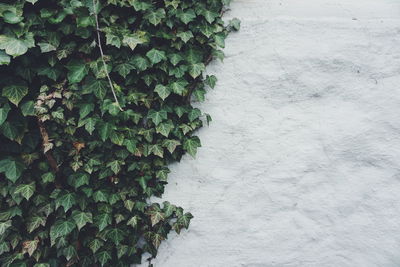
(301, 165)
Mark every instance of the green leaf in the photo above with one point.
(171, 145)
(124, 69)
(46, 47)
(12, 169)
(235, 24)
(211, 81)
(175, 58)
(103, 257)
(4, 226)
(105, 131)
(133, 221)
(156, 216)
(191, 145)
(66, 201)
(35, 222)
(162, 91)
(15, 93)
(194, 114)
(4, 247)
(179, 87)
(102, 221)
(134, 39)
(13, 47)
(185, 36)
(185, 219)
(28, 108)
(95, 245)
(90, 125)
(85, 109)
(30, 246)
(4, 113)
(157, 150)
(26, 190)
(157, 116)
(155, 17)
(186, 16)
(195, 70)
(81, 218)
(4, 58)
(61, 228)
(165, 128)
(100, 196)
(156, 56)
(116, 235)
(98, 87)
(77, 70)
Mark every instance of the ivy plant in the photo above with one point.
(96, 102)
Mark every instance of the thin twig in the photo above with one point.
(102, 55)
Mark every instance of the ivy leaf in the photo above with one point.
(165, 128)
(156, 216)
(157, 150)
(103, 257)
(4, 113)
(186, 16)
(116, 235)
(157, 116)
(195, 70)
(81, 218)
(171, 145)
(15, 93)
(105, 131)
(4, 226)
(26, 190)
(30, 246)
(102, 221)
(61, 228)
(210, 16)
(175, 58)
(4, 58)
(95, 245)
(85, 109)
(34, 222)
(211, 81)
(98, 87)
(133, 221)
(90, 125)
(194, 114)
(179, 87)
(235, 24)
(155, 17)
(185, 36)
(156, 56)
(134, 39)
(77, 70)
(13, 47)
(124, 69)
(12, 169)
(191, 145)
(162, 91)
(185, 219)
(46, 47)
(66, 201)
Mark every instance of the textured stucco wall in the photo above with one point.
(301, 165)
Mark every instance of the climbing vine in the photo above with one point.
(96, 102)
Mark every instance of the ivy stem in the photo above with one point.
(102, 55)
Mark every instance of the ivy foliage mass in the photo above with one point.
(96, 101)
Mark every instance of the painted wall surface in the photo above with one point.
(301, 165)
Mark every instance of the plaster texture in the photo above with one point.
(301, 164)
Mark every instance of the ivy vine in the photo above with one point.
(96, 102)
